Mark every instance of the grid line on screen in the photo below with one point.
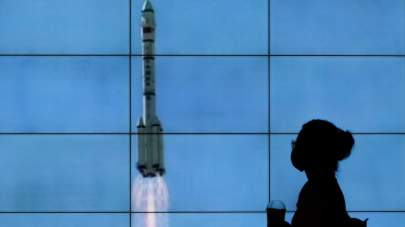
(184, 133)
(182, 212)
(130, 109)
(269, 92)
(204, 55)
(137, 212)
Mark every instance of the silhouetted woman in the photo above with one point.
(319, 147)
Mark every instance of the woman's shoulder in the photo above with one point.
(316, 193)
(320, 204)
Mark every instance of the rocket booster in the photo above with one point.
(150, 139)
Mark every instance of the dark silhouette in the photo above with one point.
(276, 215)
(319, 147)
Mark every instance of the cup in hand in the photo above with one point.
(276, 213)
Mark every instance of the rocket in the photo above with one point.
(150, 138)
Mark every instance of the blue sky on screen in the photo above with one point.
(102, 27)
(210, 94)
(64, 220)
(206, 27)
(359, 94)
(197, 94)
(90, 94)
(64, 173)
(64, 27)
(337, 27)
(214, 220)
(215, 172)
(64, 94)
(216, 27)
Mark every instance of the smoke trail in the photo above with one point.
(150, 195)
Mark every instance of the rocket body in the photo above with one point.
(150, 138)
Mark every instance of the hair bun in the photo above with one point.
(345, 144)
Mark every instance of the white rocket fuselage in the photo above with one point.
(150, 138)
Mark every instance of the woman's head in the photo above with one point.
(320, 145)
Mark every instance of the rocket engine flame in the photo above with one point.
(150, 195)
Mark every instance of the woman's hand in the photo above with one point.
(354, 222)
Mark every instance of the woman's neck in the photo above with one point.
(320, 174)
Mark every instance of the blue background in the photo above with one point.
(337, 27)
(259, 102)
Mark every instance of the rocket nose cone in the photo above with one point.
(147, 6)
